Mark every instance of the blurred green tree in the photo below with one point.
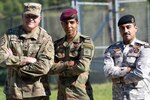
(13, 7)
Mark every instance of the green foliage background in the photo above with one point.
(13, 7)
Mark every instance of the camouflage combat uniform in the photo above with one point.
(73, 81)
(27, 80)
(134, 85)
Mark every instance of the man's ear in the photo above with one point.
(136, 27)
(77, 22)
(40, 17)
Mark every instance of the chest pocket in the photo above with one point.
(117, 56)
(60, 52)
(15, 45)
(34, 47)
(75, 50)
(132, 55)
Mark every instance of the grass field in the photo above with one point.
(100, 91)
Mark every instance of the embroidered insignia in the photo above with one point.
(136, 49)
(87, 52)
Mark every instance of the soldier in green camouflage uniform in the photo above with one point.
(73, 55)
(27, 52)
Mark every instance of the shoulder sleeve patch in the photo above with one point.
(88, 48)
(87, 52)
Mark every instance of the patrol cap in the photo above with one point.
(126, 19)
(69, 13)
(32, 8)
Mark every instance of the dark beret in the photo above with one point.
(68, 14)
(126, 19)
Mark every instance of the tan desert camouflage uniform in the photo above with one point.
(135, 84)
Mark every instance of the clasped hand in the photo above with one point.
(26, 60)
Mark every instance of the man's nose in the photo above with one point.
(125, 30)
(68, 24)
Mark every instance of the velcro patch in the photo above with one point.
(87, 52)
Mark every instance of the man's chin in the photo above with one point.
(31, 26)
(127, 37)
(69, 33)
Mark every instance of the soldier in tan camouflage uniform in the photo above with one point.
(27, 52)
(73, 55)
(127, 63)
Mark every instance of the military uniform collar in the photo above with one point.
(134, 42)
(75, 40)
(33, 35)
(131, 44)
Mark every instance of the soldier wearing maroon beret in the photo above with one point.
(73, 55)
(127, 63)
(69, 14)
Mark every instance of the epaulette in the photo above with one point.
(86, 39)
(43, 30)
(138, 44)
(146, 46)
(142, 43)
(116, 44)
(43, 35)
(84, 36)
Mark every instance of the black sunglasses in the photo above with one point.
(31, 16)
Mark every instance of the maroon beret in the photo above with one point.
(68, 14)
